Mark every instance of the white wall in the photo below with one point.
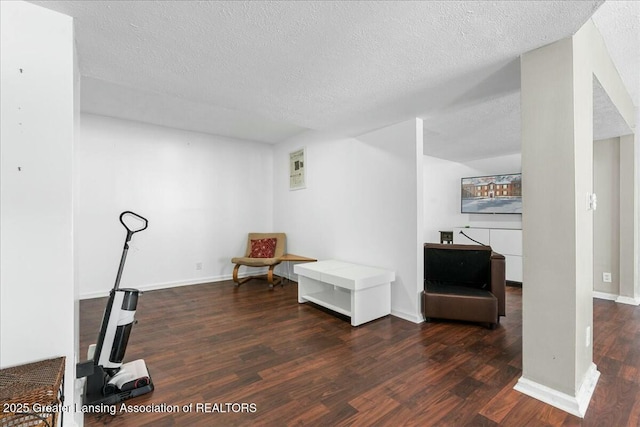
(362, 204)
(36, 151)
(201, 194)
(442, 194)
(606, 219)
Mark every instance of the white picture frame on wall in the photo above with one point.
(297, 169)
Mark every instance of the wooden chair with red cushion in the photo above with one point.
(263, 250)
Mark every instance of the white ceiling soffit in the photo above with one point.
(607, 120)
(619, 23)
(488, 129)
(242, 69)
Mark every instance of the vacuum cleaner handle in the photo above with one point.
(130, 230)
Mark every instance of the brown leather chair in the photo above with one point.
(256, 256)
(463, 282)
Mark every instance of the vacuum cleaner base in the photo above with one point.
(112, 399)
(131, 380)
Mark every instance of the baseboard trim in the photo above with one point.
(605, 296)
(628, 300)
(575, 405)
(176, 284)
(407, 316)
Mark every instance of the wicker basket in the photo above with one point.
(23, 386)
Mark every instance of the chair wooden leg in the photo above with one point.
(270, 276)
(235, 276)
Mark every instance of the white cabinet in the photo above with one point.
(506, 241)
(509, 244)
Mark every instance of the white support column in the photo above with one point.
(557, 150)
(557, 167)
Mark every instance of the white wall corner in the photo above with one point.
(576, 405)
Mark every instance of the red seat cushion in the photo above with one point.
(263, 248)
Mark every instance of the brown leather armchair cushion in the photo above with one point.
(463, 282)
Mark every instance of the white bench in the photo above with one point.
(360, 292)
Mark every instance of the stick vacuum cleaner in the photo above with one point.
(110, 381)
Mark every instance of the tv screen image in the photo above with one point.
(492, 194)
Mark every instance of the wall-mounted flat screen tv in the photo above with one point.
(492, 194)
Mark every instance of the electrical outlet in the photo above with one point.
(198, 266)
(606, 277)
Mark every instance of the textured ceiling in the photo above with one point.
(619, 24)
(268, 70)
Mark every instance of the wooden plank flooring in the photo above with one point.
(295, 364)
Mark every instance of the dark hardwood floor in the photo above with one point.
(257, 357)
